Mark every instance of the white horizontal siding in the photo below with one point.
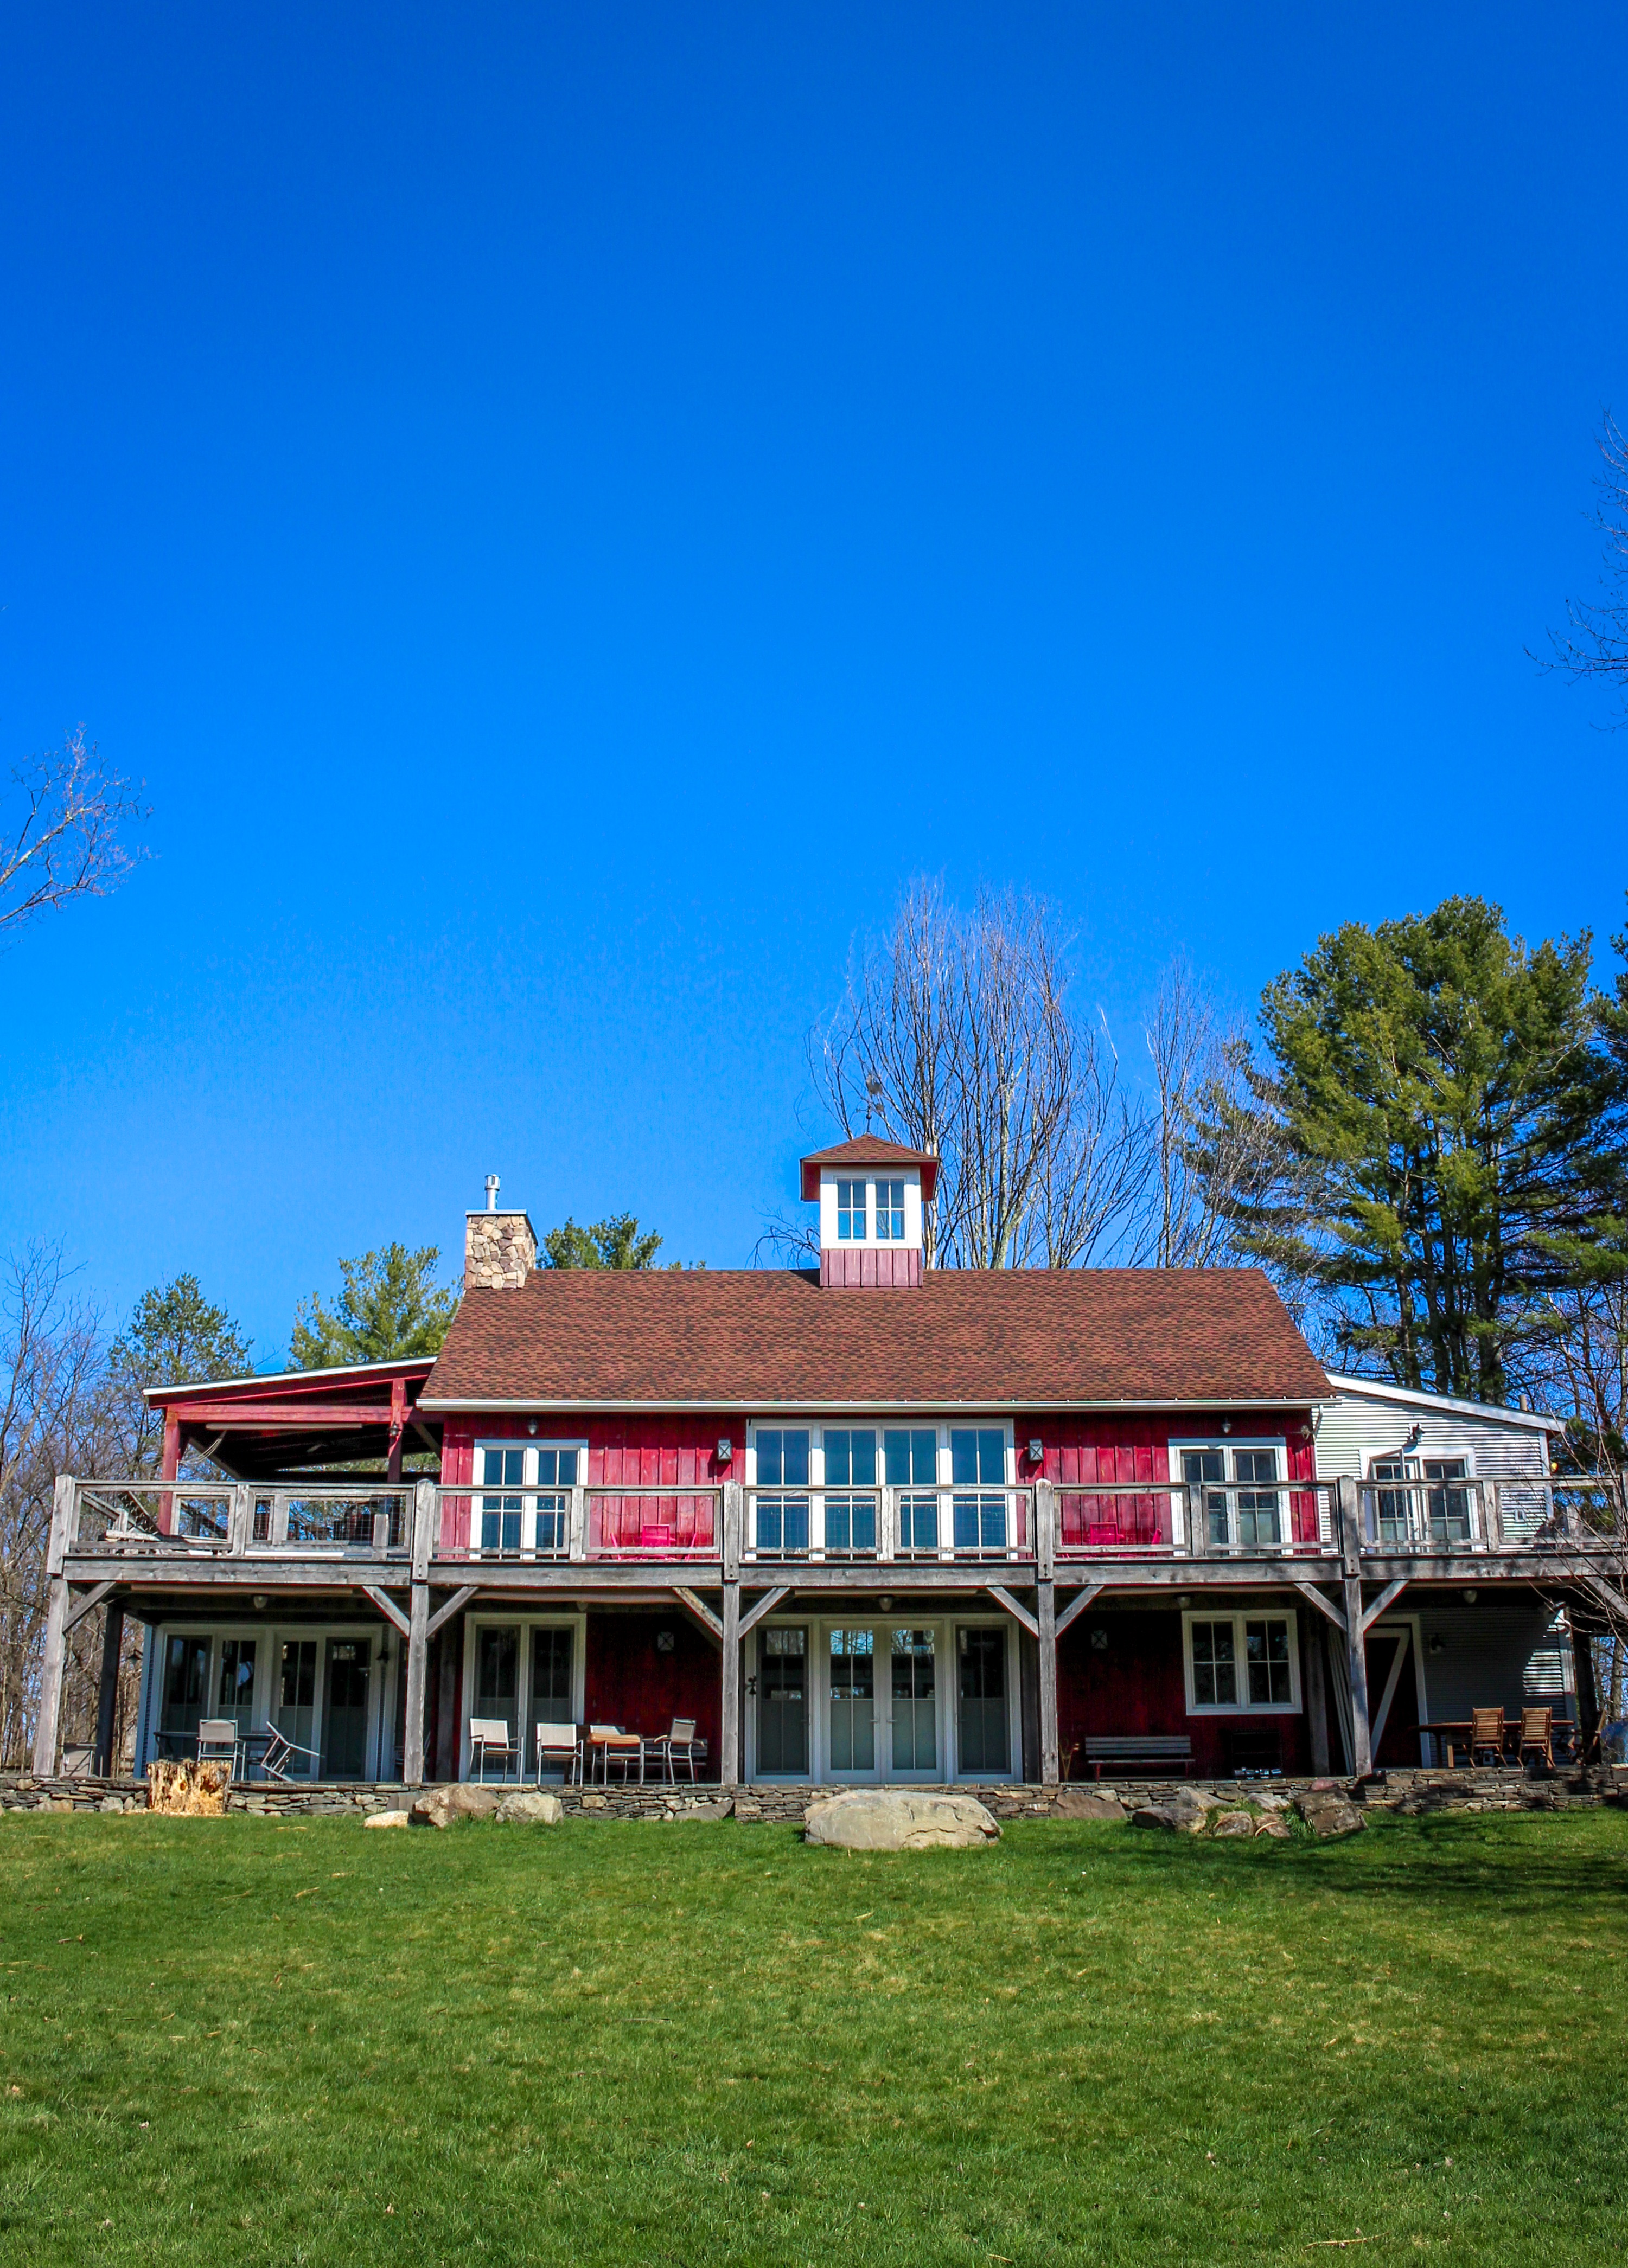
(1357, 1428)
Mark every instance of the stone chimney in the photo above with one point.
(499, 1248)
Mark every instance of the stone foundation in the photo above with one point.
(1408, 1793)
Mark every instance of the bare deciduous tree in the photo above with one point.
(957, 1037)
(64, 832)
(57, 1414)
(1595, 643)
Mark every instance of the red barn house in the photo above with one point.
(867, 1522)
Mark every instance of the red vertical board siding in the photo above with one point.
(1137, 1684)
(630, 1681)
(624, 1450)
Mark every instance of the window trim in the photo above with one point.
(529, 1487)
(1228, 1445)
(1238, 1616)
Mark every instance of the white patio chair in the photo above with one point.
(676, 1747)
(558, 1745)
(490, 1736)
(220, 1741)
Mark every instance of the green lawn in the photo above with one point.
(236, 2040)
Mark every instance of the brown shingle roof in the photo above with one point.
(869, 1150)
(1035, 1338)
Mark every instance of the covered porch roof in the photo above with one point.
(362, 1416)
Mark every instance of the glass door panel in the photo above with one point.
(344, 1718)
(853, 1701)
(297, 1694)
(234, 1684)
(497, 1674)
(500, 1516)
(982, 1722)
(186, 1684)
(783, 1701)
(910, 1459)
(550, 1687)
(915, 1701)
(1258, 1508)
(980, 1521)
(1197, 1467)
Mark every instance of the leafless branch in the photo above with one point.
(64, 836)
(1594, 644)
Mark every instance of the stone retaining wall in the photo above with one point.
(1407, 1792)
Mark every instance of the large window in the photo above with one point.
(849, 1466)
(978, 1461)
(912, 1457)
(1241, 1661)
(782, 1471)
(525, 1504)
(1233, 1501)
(1424, 1506)
(850, 1211)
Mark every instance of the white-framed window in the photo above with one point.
(1245, 1659)
(1235, 1499)
(890, 1212)
(523, 1510)
(851, 1213)
(816, 1490)
(1424, 1506)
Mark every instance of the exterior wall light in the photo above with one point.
(725, 1450)
(1037, 1453)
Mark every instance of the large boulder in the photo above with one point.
(1235, 1822)
(892, 1819)
(530, 1808)
(1174, 1818)
(1089, 1803)
(438, 1806)
(1326, 1812)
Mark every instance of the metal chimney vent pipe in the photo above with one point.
(492, 1188)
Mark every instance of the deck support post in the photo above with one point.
(1348, 1511)
(47, 1724)
(419, 1634)
(107, 1690)
(1316, 1697)
(729, 1746)
(1587, 1697)
(1047, 1617)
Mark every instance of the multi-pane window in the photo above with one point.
(1244, 1516)
(978, 1461)
(234, 1682)
(890, 1212)
(851, 1212)
(911, 1462)
(527, 1507)
(1241, 1661)
(783, 1472)
(1424, 1487)
(850, 1465)
(500, 1516)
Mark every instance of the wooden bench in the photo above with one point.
(1138, 1749)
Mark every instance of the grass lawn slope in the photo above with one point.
(238, 2040)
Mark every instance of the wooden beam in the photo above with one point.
(1019, 1614)
(417, 1667)
(766, 1605)
(266, 1416)
(729, 1759)
(387, 1607)
(47, 1714)
(1386, 1597)
(1348, 1517)
(1324, 1606)
(1607, 1595)
(87, 1605)
(702, 1612)
(455, 1605)
(1046, 1598)
(1077, 1604)
(108, 1688)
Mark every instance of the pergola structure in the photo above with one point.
(355, 1424)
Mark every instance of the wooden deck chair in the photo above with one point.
(1537, 1733)
(1486, 1732)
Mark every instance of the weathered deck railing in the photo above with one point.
(649, 1520)
(236, 1518)
(1193, 1519)
(1582, 1511)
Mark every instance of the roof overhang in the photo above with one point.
(1378, 1389)
(491, 1406)
(267, 1383)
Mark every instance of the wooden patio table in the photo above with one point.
(622, 1744)
(1457, 1733)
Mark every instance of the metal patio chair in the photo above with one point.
(678, 1746)
(561, 1745)
(220, 1741)
(281, 1751)
(490, 1736)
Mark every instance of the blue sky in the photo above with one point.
(567, 508)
